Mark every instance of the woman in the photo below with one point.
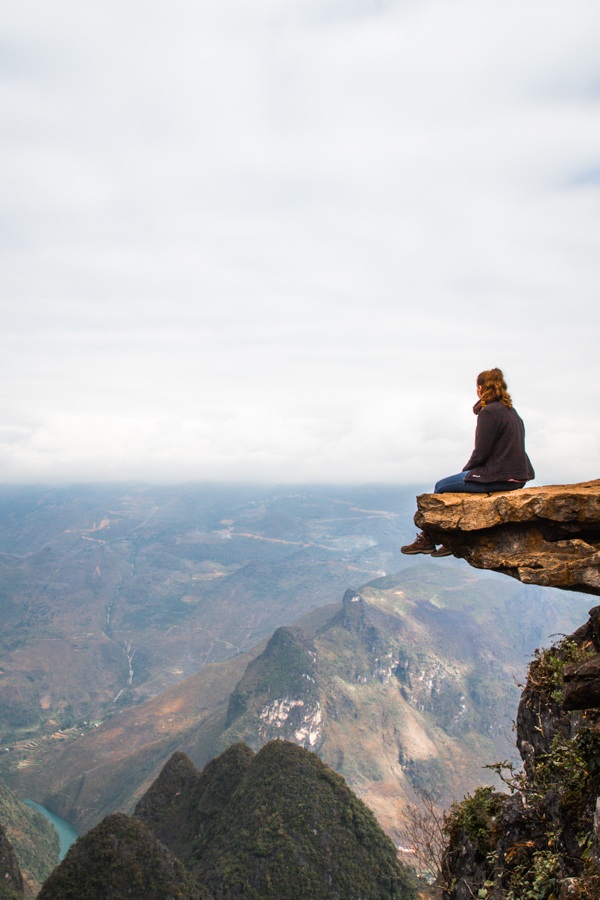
(498, 462)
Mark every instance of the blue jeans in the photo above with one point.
(456, 484)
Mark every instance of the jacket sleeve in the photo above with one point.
(485, 436)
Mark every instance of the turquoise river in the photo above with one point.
(66, 833)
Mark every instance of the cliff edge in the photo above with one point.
(541, 840)
(540, 535)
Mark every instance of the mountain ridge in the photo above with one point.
(112, 594)
(366, 685)
(277, 824)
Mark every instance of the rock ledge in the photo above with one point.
(540, 535)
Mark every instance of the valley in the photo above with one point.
(143, 620)
(109, 596)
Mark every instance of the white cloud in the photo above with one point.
(280, 240)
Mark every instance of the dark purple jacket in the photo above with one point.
(499, 453)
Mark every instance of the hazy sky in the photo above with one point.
(279, 239)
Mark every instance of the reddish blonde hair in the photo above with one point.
(493, 387)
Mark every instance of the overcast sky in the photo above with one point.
(278, 239)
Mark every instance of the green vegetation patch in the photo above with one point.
(547, 668)
(428, 776)
(120, 858)
(477, 815)
(33, 838)
(293, 829)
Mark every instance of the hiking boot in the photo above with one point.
(442, 551)
(421, 545)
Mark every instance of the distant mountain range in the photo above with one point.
(109, 595)
(410, 685)
(144, 621)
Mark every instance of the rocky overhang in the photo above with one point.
(540, 535)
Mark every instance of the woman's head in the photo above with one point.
(492, 386)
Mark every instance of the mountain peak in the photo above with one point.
(279, 690)
(120, 858)
(282, 824)
(278, 824)
(178, 775)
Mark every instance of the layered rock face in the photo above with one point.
(542, 535)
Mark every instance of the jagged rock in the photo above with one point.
(468, 865)
(582, 679)
(543, 714)
(543, 839)
(494, 825)
(582, 690)
(542, 535)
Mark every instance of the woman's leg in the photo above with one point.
(456, 484)
(450, 484)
